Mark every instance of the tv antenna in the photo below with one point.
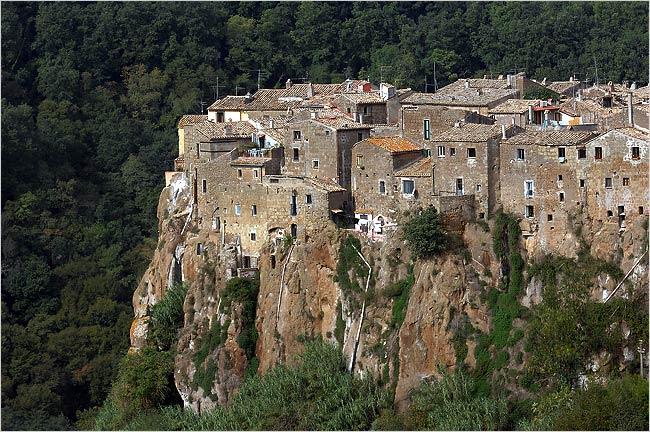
(215, 89)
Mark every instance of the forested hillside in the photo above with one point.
(90, 97)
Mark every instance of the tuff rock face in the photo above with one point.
(300, 298)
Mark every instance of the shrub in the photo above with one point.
(425, 234)
(167, 317)
(402, 299)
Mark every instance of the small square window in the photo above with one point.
(598, 153)
(452, 151)
(296, 155)
(471, 152)
(441, 151)
(297, 135)
(610, 213)
(582, 183)
(626, 181)
(561, 152)
(199, 248)
(478, 188)
(641, 210)
(254, 210)
(359, 136)
(559, 177)
(549, 217)
(635, 153)
(256, 172)
(561, 196)
(327, 132)
(530, 211)
(253, 236)
(521, 154)
(238, 209)
(582, 153)
(308, 199)
(394, 188)
(359, 161)
(382, 187)
(608, 182)
(481, 215)
(204, 186)
(314, 164)
(408, 187)
(239, 173)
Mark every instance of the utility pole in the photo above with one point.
(435, 81)
(236, 89)
(641, 351)
(427, 85)
(215, 89)
(596, 70)
(202, 105)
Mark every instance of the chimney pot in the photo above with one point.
(466, 83)
(630, 110)
(288, 83)
(503, 131)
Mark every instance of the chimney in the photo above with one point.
(484, 76)
(503, 131)
(289, 83)
(571, 79)
(633, 86)
(579, 95)
(310, 90)
(248, 97)
(630, 110)
(348, 85)
(611, 87)
(530, 114)
(227, 128)
(271, 123)
(466, 83)
(544, 81)
(457, 124)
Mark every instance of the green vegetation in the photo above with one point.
(400, 291)
(167, 317)
(315, 394)
(425, 235)
(92, 91)
(541, 93)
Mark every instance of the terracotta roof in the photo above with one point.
(228, 103)
(562, 87)
(514, 106)
(325, 184)
(419, 168)
(392, 144)
(634, 133)
(340, 122)
(469, 132)
(575, 107)
(249, 160)
(549, 138)
(642, 92)
(212, 130)
(365, 98)
(476, 83)
(462, 97)
(191, 119)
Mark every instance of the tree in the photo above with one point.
(425, 234)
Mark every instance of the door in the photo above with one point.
(459, 186)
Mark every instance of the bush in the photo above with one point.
(401, 301)
(167, 317)
(425, 234)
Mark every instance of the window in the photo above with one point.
(359, 161)
(365, 109)
(626, 181)
(359, 136)
(297, 135)
(478, 188)
(204, 186)
(598, 153)
(529, 188)
(561, 152)
(559, 177)
(582, 183)
(582, 153)
(408, 187)
(308, 199)
(426, 129)
(349, 110)
(256, 173)
(635, 153)
(530, 211)
(274, 180)
(394, 188)
(481, 215)
(471, 152)
(640, 210)
(254, 210)
(382, 187)
(549, 217)
(441, 151)
(608, 182)
(272, 261)
(294, 206)
(561, 196)
(296, 155)
(610, 213)
(239, 173)
(327, 133)
(253, 236)
(314, 164)
(238, 209)
(452, 151)
(199, 248)
(521, 154)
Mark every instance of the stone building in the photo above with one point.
(518, 112)
(247, 211)
(186, 120)
(208, 140)
(467, 163)
(375, 161)
(420, 122)
(321, 147)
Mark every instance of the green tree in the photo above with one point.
(425, 234)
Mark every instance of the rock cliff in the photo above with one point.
(399, 321)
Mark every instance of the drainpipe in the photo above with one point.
(353, 358)
(530, 114)
(503, 131)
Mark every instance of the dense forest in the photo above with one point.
(90, 96)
